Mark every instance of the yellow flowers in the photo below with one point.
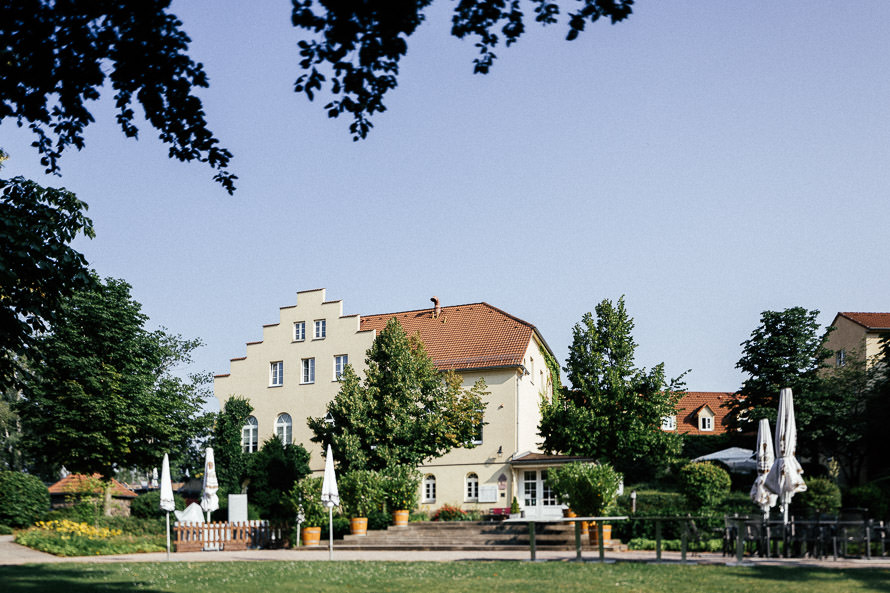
(67, 527)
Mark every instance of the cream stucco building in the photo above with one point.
(858, 335)
(292, 373)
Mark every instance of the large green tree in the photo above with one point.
(404, 411)
(105, 395)
(613, 410)
(38, 267)
(272, 473)
(787, 349)
(228, 451)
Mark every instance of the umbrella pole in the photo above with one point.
(330, 533)
(168, 536)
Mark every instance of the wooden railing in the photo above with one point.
(196, 537)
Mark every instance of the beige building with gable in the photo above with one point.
(857, 335)
(292, 373)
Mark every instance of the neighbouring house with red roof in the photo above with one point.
(699, 413)
(857, 335)
(293, 372)
(74, 487)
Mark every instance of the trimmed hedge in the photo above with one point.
(148, 505)
(24, 499)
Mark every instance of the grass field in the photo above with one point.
(488, 577)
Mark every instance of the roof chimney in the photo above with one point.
(437, 309)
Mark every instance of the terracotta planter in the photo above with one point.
(358, 526)
(585, 528)
(607, 534)
(400, 518)
(569, 513)
(311, 536)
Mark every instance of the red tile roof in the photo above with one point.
(72, 483)
(474, 336)
(869, 320)
(692, 402)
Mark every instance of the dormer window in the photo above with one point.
(669, 423)
(706, 419)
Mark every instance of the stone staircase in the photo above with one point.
(468, 535)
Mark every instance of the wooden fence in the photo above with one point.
(196, 537)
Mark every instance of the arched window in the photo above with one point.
(250, 435)
(472, 488)
(284, 428)
(429, 488)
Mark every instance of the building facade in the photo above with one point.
(858, 335)
(293, 372)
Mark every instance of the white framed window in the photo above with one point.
(250, 435)
(530, 488)
(531, 364)
(308, 375)
(340, 362)
(284, 428)
(705, 423)
(276, 374)
(548, 497)
(321, 329)
(429, 488)
(299, 331)
(669, 423)
(472, 491)
(840, 357)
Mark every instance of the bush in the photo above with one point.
(305, 497)
(821, 496)
(68, 538)
(704, 485)
(5, 530)
(149, 505)
(589, 489)
(449, 512)
(361, 492)
(674, 545)
(24, 499)
(871, 497)
(274, 470)
(401, 484)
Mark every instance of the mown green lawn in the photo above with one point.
(432, 577)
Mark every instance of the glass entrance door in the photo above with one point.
(538, 499)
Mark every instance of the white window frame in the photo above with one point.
(548, 497)
(705, 423)
(340, 362)
(321, 329)
(471, 492)
(284, 428)
(669, 423)
(299, 331)
(840, 358)
(250, 435)
(276, 373)
(429, 488)
(307, 371)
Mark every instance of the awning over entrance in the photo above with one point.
(535, 497)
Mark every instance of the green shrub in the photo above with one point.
(273, 471)
(589, 489)
(704, 485)
(674, 545)
(149, 505)
(401, 484)
(871, 497)
(361, 492)
(449, 512)
(5, 530)
(24, 499)
(305, 497)
(80, 539)
(821, 496)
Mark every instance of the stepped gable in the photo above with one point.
(462, 337)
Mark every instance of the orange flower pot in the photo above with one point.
(311, 536)
(400, 518)
(358, 526)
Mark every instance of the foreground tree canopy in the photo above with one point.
(612, 411)
(56, 56)
(404, 412)
(104, 396)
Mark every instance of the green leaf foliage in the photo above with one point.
(401, 487)
(24, 499)
(704, 484)
(821, 496)
(228, 452)
(305, 498)
(588, 488)
(106, 395)
(40, 271)
(272, 473)
(404, 412)
(613, 410)
(361, 492)
(148, 505)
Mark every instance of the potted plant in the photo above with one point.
(514, 509)
(401, 485)
(305, 499)
(361, 492)
(589, 489)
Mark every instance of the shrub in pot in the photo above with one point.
(589, 489)
(305, 500)
(361, 493)
(401, 486)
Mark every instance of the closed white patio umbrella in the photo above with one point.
(168, 505)
(764, 457)
(209, 500)
(785, 476)
(330, 496)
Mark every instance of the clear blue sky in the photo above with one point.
(709, 160)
